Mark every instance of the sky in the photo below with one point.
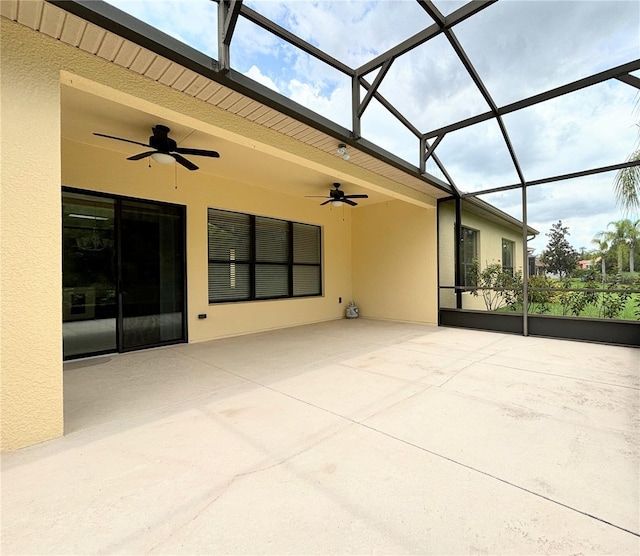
(518, 47)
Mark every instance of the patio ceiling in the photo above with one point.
(488, 115)
(436, 31)
(84, 113)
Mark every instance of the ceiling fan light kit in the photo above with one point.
(163, 158)
(165, 150)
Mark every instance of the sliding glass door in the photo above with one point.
(89, 276)
(152, 274)
(123, 274)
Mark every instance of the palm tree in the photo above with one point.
(617, 238)
(602, 244)
(627, 185)
(625, 233)
(633, 236)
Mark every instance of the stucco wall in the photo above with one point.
(87, 167)
(394, 262)
(35, 164)
(30, 243)
(489, 251)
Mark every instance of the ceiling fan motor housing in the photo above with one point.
(161, 141)
(336, 194)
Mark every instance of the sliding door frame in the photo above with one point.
(118, 200)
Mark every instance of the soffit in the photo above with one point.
(74, 31)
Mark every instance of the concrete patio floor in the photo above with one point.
(339, 438)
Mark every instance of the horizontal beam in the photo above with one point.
(561, 177)
(630, 80)
(612, 73)
(423, 36)
(129, 28)
(296, 41)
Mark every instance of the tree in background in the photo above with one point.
(633, 238)
(626, 184)
(559, 257)
(602, 247)
(625, 234)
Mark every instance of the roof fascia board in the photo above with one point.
(248, 87)
(112, 19)
(483, 206)
(126, 26)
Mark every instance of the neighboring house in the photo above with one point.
(587, 264)
(489, 236)
(536, 266)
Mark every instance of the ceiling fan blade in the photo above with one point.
(141, 155)
(321, 204)
(182, 160)
(356, 197)
(197, 152)
(352, 203)
(317, 197)
(121, 139)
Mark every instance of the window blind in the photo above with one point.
(254, 257)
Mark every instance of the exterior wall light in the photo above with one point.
(342, 151)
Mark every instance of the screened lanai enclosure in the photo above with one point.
(522, 115)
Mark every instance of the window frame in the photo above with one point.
(255, 263)
(512, 245)
(467, 265)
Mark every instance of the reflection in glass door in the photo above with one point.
(152, 274)
(89, 304)
(123, 274)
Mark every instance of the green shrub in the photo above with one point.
(628, 278)
(498, 287)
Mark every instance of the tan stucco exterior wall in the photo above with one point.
(489, 251)
(394, 262)
(30, 243)
(36, 162)
(87, 167)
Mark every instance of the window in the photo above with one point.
(469, 254)
(508, 248)
(253, 257)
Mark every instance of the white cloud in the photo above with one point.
(518, 48)
(585, 206)
(335, 106)
(193, 22)
(255, 74)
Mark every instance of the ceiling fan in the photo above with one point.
(337, 197)
(165, 150)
